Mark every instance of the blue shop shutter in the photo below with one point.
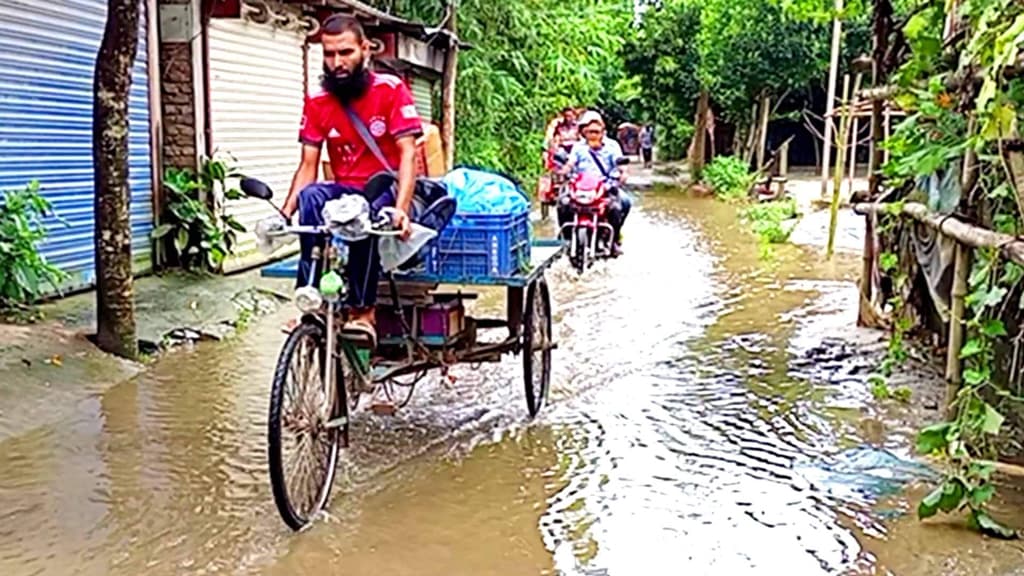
(47, 56)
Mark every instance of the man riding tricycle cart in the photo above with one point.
(377, 228)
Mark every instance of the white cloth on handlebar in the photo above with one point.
(348, 217)
(268, 234)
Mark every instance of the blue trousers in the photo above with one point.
(363, 269)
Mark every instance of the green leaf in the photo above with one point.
(888, 261)
(994, 328)
(933, 438)
(982, 494)
(929, 505)
(975, 377)
(181, 242)
(986, 94)
(971, 348)
(991, 526)
(953, 492)
(993, 420)
(234, 224)
(162, 230)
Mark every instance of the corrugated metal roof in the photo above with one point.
(47, 53)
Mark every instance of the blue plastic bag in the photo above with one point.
(480, 192)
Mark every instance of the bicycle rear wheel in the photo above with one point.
(308, 422)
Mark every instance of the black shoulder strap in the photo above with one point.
(597, 161)
(364, 133)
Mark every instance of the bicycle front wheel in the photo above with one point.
(308, 422)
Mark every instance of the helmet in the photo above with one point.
(590, 116)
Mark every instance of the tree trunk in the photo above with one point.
(115, 300)
(700, 129)
(448, 90)
(748, 144)
(762, 131)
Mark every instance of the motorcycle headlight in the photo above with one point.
(308, 299)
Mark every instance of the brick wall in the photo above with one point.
(178, 101)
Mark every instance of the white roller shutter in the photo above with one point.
(255, 107)
(423, 94)
(314, 66)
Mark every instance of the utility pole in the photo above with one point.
(448, 86)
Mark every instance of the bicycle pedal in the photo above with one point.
(336, 422)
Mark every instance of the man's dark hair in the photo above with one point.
(337, 24)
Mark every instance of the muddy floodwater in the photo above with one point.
(696, 425)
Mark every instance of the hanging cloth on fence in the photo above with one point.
(935, 255)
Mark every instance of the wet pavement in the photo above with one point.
(696, 425)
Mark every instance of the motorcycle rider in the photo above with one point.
(562, 131)
(598, 155)
(385, 105)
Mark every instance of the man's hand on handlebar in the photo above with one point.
(400, 220)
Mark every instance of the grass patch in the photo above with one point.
(768, 220)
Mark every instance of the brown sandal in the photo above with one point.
(361, 331)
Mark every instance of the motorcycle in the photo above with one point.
(590, 236)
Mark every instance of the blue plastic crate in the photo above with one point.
(481, 246)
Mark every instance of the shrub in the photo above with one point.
(26, 271)
(729, 177)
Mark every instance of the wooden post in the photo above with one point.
(830, 97)
(880, 17)
(837, 179)
(448, 88)
(762, 136)
(784, 158)
(954, 374)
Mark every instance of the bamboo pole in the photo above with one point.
(784, 158)
(833, 75)
(954, 374)
(951, 81)
(448, 88)
(887, 130)
(1009, 247)
(1004, 467)
(837, 181)
(855, 132)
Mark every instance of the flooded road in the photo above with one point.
(688, 432)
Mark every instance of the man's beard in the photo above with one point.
(347, 87)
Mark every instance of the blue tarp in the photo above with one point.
(480, 192)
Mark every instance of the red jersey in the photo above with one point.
(387, 109)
